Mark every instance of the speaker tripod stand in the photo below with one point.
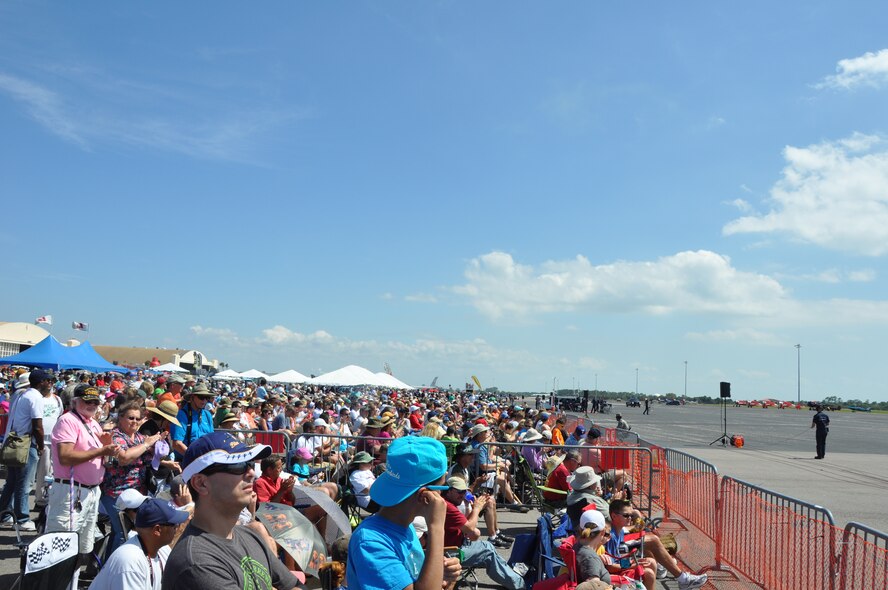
(723, 439)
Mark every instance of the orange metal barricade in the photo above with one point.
(780, 542)
(864, 558)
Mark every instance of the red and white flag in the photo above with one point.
(44, 319)
(83, 326)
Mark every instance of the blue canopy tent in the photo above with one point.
(49, 353)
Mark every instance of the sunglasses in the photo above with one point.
(92, 402)
(231, 469)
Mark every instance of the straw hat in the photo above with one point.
(167, 410)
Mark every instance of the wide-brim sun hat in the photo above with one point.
(412, 462)
(532, 435)
(477, 429)
(167, 410)
(583, 478)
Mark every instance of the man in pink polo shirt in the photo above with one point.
(79, 448)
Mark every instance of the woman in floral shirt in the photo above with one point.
(128, 469)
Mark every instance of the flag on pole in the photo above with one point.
(83, 326)
(44, 319)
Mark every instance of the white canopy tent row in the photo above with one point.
(253, 374)
(169, 368)
(290, 376)
(227, 375)
(354, 376)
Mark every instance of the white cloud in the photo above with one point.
(224, 335)
(715, 122)
(741, 205)
(421, 298)
(832, 194)
(870, 69)
(832, 276)
(386, 296)
(696, 282)
(746, 335)
(862, 276)
(281, 335)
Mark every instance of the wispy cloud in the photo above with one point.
(832, 194)
(832, 276)
(44, 106)
(746, 335)
(421, 298)
(869, 69)
(98, 109)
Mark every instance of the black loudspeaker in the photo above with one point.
(585, 394)
(725, 389)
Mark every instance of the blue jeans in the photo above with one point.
(19, 481)
(483, 554)
(110, 509)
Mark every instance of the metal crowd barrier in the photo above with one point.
(693, 500)
(864, 558)
(780, 542)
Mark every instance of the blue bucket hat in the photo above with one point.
(412, 462)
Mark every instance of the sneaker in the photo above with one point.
(661, 572)
(28, 527)
(688, 581)
(520, 569)
(499, 543)
(6, 524)
(518, 508)
(506, 537)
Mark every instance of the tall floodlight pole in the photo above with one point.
(799, 371)
(596, 381)
(686, 379)
(636, 381)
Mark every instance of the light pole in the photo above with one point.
(799, 371)
(596, 382)
(686, 380)
(636, 381)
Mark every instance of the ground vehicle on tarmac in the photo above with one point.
(633, 403)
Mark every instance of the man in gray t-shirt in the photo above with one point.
(214, 552)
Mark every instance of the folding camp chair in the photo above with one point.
(534, 491)
(49, 562)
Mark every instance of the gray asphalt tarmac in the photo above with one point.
(779, 453)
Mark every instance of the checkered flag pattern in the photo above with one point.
(51, 549)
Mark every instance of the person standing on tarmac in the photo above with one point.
(821, 423)
(647, 407)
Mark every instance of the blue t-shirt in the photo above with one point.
(201, 424)
(483, 456)
(261, 393)
(383, 556)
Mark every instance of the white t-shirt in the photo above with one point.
(128, 569)
(361, 479)
(52, 409)
(23, 408)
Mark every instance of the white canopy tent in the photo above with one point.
(252, 374)
(387, 380)
(227, 375)
(291, 376)
(169, 368)
(349, 376)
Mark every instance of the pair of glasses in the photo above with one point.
(626, 515)
(231, 469)
(91, 403)
(132, 417)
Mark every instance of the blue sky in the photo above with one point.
(521, 192)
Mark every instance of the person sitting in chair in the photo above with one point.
(458, 528)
